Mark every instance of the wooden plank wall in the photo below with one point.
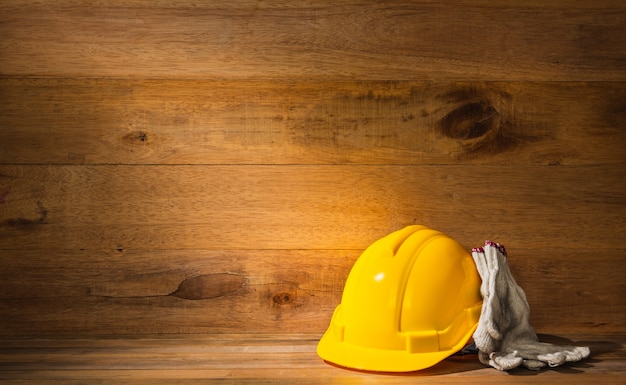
(202, 167)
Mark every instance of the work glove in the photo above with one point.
(504, 337)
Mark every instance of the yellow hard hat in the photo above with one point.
(411, 300)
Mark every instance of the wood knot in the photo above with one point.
(282, 299)
(470, 121)
(209, 286)
(27, 224)
(136, 137)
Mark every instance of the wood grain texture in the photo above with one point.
(94, 121)
(217, 167)
(208, 248)
(262, 359)
(306, 207)
(530, 40)
(230, 291)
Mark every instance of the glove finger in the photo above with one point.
(478, 255)
(484, 337)
(494, 300)
(552, 355)
(495, 314)
(577, 353)
(491, 257)
(564, 354)
(486, 333)
(505, 361)
(512, 310)
(534, 364)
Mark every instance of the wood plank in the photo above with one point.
(299, 377)
(104, 121)
(306, 207)
(128, 293)
(291, 377)
(227, 291)
(530, 40)
(250, 360)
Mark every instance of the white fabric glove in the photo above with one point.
(504, 337)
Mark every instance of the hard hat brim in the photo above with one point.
(331, 349)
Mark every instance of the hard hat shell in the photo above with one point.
(411, 300)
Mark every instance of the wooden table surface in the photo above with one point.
(263, 359)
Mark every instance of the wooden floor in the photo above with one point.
(263, 359)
